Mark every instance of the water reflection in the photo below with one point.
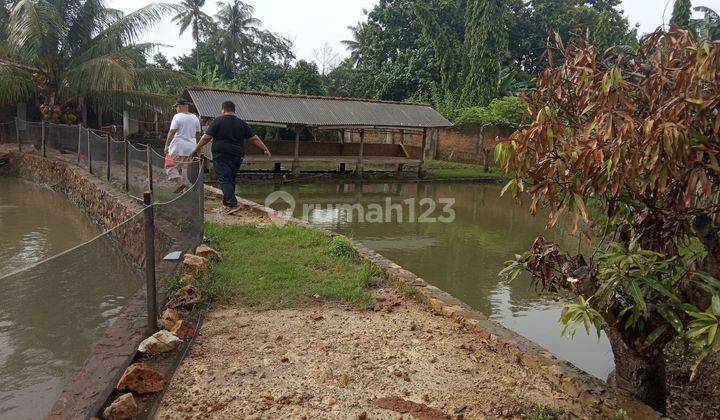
(52, 314)
(463, 257)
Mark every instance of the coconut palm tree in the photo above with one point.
(237, 29)
(67, 52)
(707, 27)
(360, 40)
(191, 15)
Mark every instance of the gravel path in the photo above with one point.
(328, 361)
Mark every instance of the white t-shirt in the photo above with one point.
(185, 140)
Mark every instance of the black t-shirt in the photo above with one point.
(229, 134)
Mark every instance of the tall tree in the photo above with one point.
(191, 15)
(67, 51)
(681, 13)
(486, 46)
(236, 30)
(358, 43)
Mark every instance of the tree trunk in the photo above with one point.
(642, 375)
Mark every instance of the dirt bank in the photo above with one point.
(329, 361)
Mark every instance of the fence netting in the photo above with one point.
(176, 183)
(7, 133)
(53, 312)
(184, 213)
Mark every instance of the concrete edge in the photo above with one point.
(583, 388)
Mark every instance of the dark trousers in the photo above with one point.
(226, 167)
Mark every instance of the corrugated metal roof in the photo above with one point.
(316, 111)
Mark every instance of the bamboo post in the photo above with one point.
(201, 196)
(149, 169)
(42, 138)
(17, 133)
(127, 165)
(79, 142)
(150, 286)
(421, 168)
(107, 157)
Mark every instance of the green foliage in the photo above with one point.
(92, 55)
(580, 313)
(703, 328)
(341, 247)
(681, 13)
(305, 79)
(503, 112)
(284, 267)
(262, 76)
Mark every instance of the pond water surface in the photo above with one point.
(51, 314)
(462, 257)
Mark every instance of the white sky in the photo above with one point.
(310, 23)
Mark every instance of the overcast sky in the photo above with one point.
(310, 23)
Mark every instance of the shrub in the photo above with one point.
(503, 112)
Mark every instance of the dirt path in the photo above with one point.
(327, 361)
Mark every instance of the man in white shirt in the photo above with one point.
(181, 141)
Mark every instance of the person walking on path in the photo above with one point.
(180, 144)
(228, 134)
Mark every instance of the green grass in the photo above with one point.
(440, 169)
(271, 268)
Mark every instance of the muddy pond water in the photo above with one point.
(459, 249)
(52, 313)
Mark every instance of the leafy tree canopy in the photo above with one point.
(628, 144)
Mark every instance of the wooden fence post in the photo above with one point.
(107, 157)
(149, 169)
(79, 142)
(42, 138)
(150, 286)
(17, 133)
(89, 142)
(127, 166)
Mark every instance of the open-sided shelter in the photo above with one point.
(326, 113)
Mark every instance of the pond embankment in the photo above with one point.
(116, 343)
(413, 350)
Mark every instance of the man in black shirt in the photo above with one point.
(228, 134)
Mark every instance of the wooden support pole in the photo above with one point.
(127, 165)
(107, 157)
(150, 285)
(421, 169)
(149, 169)
(43, 146)
(296, 156)
(17, 133)
(201, 196)
(361, 158)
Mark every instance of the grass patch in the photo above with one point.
(274, 268)
(440, 169)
